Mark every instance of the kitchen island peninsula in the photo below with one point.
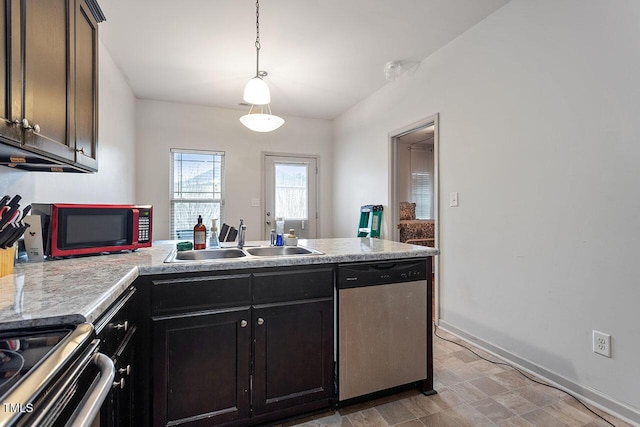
(235, 341)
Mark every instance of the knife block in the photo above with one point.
(7, 259)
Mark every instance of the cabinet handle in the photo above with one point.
(27, 126)
(243, 323)
(120, 384)
(126, 370)
(81, 150)
(260, 321)
(124, 326)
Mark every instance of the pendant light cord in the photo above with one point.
(257, 38)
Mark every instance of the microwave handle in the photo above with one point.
(136, 225)
(91, 408)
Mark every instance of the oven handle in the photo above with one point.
(91, 407)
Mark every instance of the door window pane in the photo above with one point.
(291, 191)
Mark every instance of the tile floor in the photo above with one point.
(471, 392)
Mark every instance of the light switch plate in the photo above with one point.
(453, 199)
(255, 202)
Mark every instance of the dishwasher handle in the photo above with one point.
(91, 407)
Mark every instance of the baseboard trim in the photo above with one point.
(586, 394)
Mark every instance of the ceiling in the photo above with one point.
(322, 56)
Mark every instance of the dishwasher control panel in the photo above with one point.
(371, 274)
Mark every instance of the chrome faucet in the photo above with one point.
(242, 230)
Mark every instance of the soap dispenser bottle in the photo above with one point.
(213, 238)
(279, 231)
(199, 235)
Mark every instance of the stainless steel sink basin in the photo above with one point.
(281, 251)
(205, 254)
(231, 253)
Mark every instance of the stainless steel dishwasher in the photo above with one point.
(384, 327)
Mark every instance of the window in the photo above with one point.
(421, 168)
(291, 191)
(197, 179)
(421, 194)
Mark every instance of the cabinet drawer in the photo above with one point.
(290, 285)
(114, 325)
(200, 293)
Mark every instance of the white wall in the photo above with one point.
(163, 125)
(538, 112)
(113, 183)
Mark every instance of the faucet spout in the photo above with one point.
(242, 231)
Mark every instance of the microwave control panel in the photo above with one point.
(144, 226)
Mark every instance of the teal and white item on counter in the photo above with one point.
(184, 246)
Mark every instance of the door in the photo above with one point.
(290, 192)
(201, 368)
(47, 35)
(86, 90)
(293, 355)
(10, 81)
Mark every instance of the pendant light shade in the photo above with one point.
(262, 121)
(256, 92)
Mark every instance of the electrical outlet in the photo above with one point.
(602, 343)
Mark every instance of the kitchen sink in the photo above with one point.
(205, 254)
(231, 253)
(282, 251)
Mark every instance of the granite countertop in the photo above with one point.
(79, 290)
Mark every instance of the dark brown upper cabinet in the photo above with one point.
(49, 85)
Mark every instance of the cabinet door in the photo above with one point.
(86, 90)
(293, 355)
(48, 101)
(10, 99)
(124, 394)
(201, 368)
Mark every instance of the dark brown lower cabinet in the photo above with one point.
(241, 347)
(293, 355)
(201, 369)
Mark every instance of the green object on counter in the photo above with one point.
(184, 246)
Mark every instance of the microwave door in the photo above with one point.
(86, 230)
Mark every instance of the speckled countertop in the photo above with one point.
(81, 289)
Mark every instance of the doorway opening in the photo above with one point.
(413, 184)
(290, 192)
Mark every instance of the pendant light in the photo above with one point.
(256, 93)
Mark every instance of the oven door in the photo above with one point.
(76, 397)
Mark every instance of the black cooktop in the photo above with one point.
(21, 351)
